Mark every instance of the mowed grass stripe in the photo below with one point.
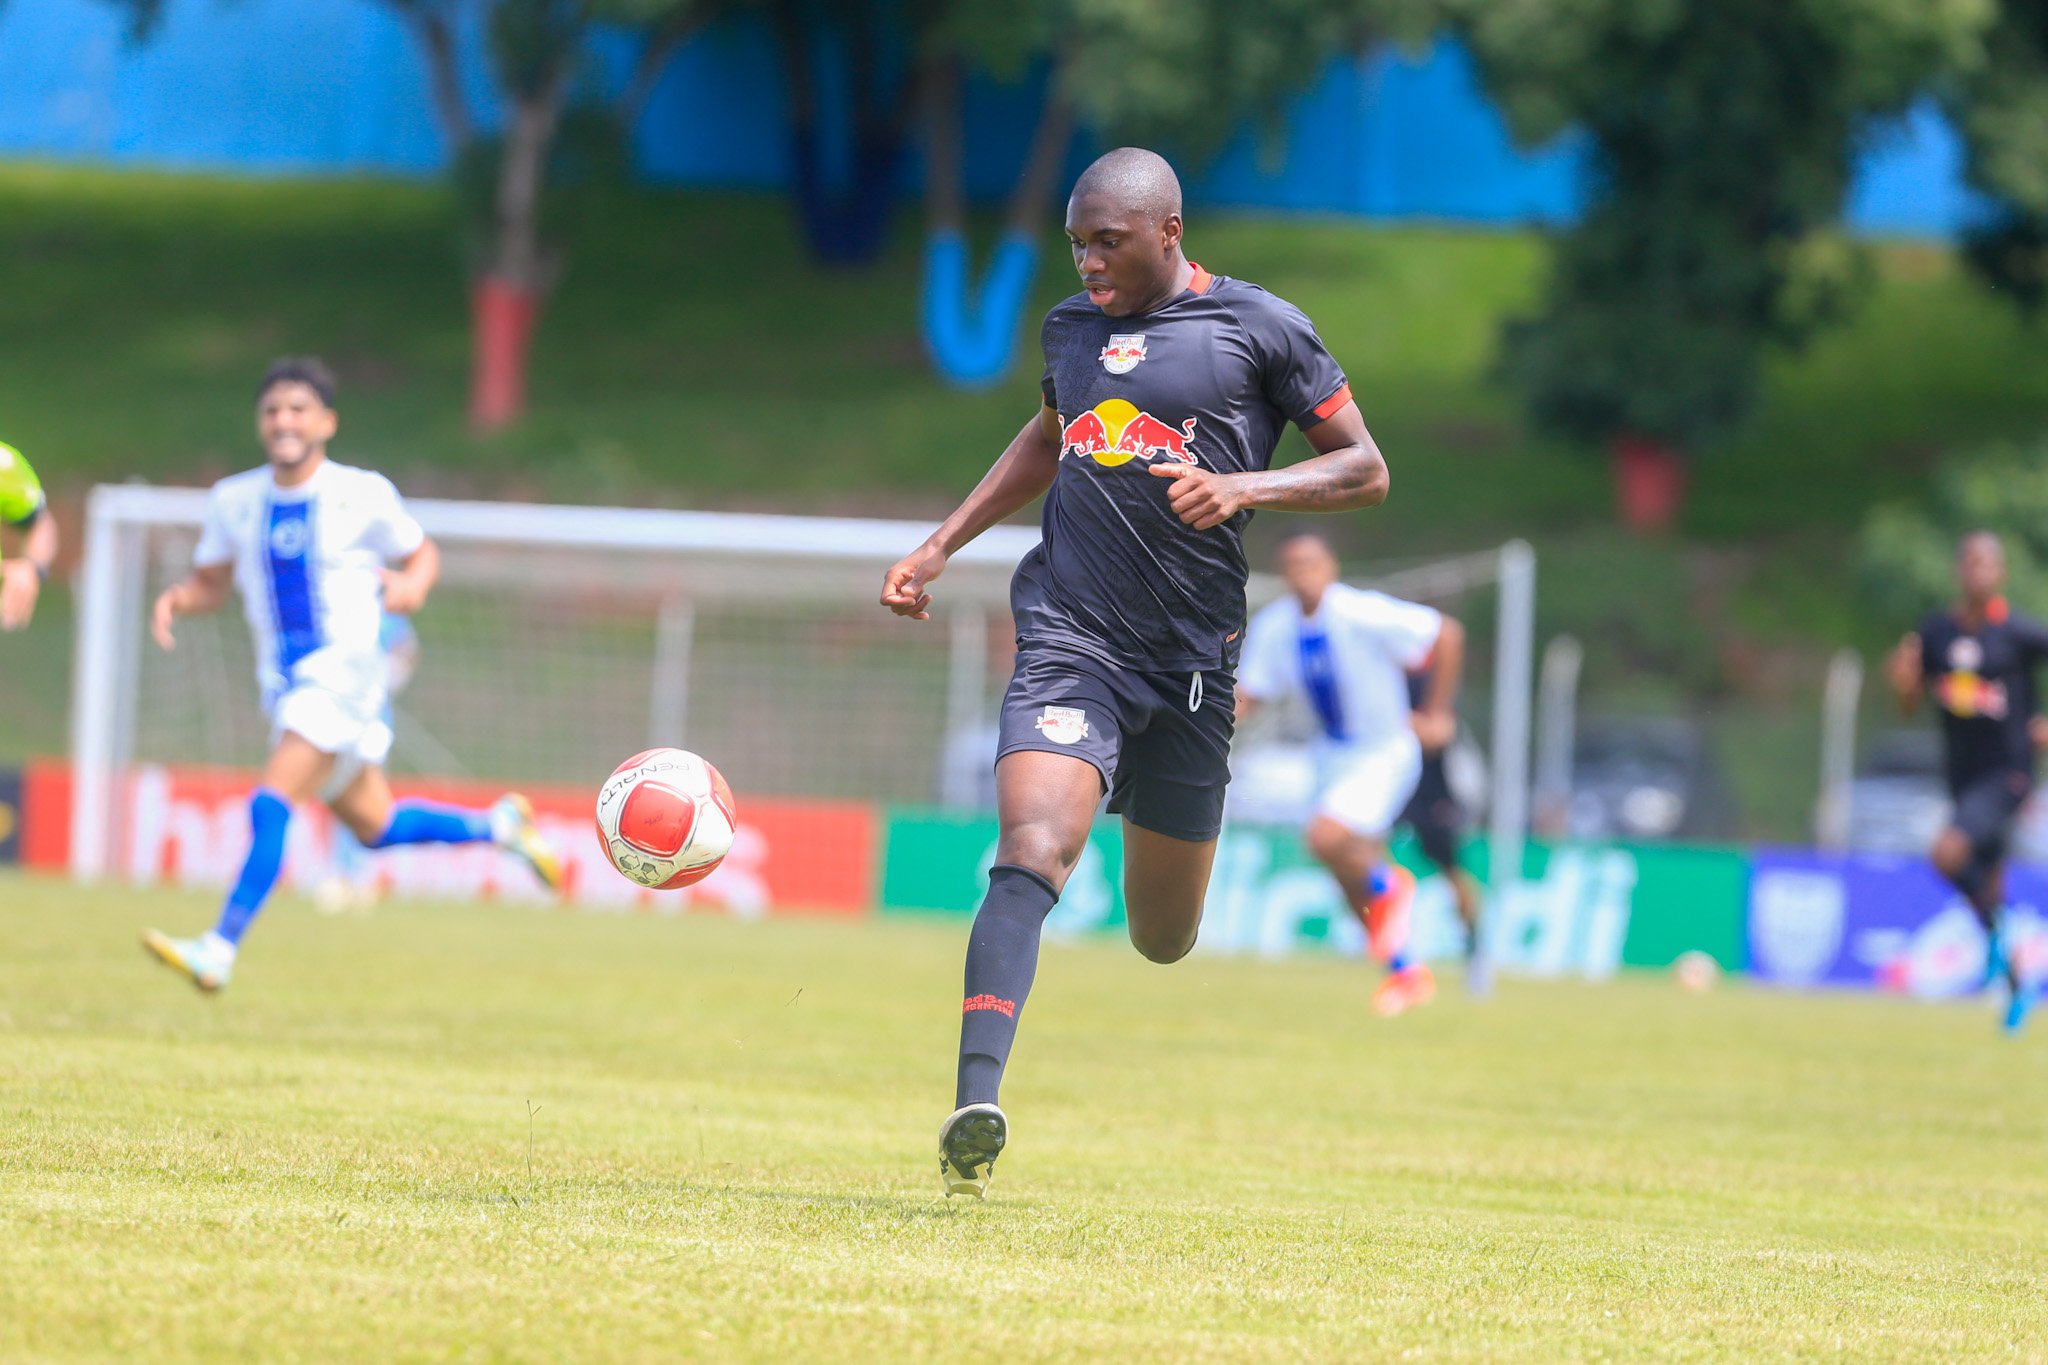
(1226, 1160)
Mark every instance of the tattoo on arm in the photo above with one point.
(1337, 482)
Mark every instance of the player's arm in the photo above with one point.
(1905, 669)
(1021, 473)
(1436, 722)
(202, 591)
(1346, 473)
(406, 587)
(21, 578)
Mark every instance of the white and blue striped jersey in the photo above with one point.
(1349, 660)
(307, 563)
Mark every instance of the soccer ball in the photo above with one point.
(665, 818)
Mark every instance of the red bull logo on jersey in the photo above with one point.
(1123, 353)
(1115, 432)
(1966, 695)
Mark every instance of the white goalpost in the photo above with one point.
(562, 639)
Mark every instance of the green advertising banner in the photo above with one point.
(1579, 909)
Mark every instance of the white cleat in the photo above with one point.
(970, 1140)
(207, 961)
(513, 830)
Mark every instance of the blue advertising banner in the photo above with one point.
(1881, 923)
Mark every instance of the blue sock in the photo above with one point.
(429, 822)
(269, 815)
(1398, 962)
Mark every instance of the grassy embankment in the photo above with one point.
(693, 357)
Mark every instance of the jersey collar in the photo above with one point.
(1997, 612)
(1201, 281)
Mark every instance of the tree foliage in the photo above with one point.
(2000, 105)
(1907, 551)
(1720, 135)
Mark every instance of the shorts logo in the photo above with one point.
(1006, 1008)
(1063, 724)
(288, 539)
(1123, 353)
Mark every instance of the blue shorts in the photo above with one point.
(1160, 740)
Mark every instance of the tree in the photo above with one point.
(536, 50)
(1721, 134)
(2001, 108)
(1907, 552)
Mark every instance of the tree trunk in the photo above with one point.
(1649, 483)
(505, 302)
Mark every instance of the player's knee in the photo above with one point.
(1952, 852)
(1328, 840)
(1044, 848)
(1162, 945)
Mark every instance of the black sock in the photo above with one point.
(1002, 957)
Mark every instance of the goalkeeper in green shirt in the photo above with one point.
(24, 510)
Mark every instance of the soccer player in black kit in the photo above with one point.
(1977, 660)
(1166, 390)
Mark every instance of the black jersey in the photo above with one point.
(1982, 682)
(1212, 379)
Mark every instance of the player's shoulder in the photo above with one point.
(1253, 304)
(250, 484)
(353, 479)
(1371, 606)
(1937, 623)
(2026, 623)
(1277, 613)
(13, 464)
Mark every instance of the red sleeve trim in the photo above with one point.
(1428, 660)
(1201, 281)
(1332, 405)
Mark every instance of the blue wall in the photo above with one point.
(326, 87)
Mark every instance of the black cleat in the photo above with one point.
(970, 1140)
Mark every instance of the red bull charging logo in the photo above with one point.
(1115, 432)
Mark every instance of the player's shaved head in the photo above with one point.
(1124, 224)
(1308, 564)
(1987, 540)
(1980, 566)
(1134, 180)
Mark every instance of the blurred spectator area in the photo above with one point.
(336, 87)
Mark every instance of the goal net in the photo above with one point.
(563, 639)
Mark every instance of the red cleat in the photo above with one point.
(1386, 915)
(1407, 989)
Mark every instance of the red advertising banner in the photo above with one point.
(190, 827)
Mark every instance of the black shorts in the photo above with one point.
(1433, 813)
(1160, 740)
(1986, 810)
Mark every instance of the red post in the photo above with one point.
(1649, 483)
(502, 317)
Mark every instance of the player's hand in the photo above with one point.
(903, 587)
(18, 593)
(162, 615)
(1902, 665)
(2037, 732)
(404, 593)
(1436, 729)
(1198, 497)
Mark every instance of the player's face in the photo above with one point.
(293, 424)
(1309, 568)
(1980, 569)
(1126, 260)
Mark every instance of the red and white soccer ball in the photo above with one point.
(665, 818)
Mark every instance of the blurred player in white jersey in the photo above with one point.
(306, 541)
(1348, 654)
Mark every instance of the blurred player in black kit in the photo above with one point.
(1977, 660)
(1438, 821)
(1166, 389)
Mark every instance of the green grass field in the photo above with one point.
(730, 1156)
